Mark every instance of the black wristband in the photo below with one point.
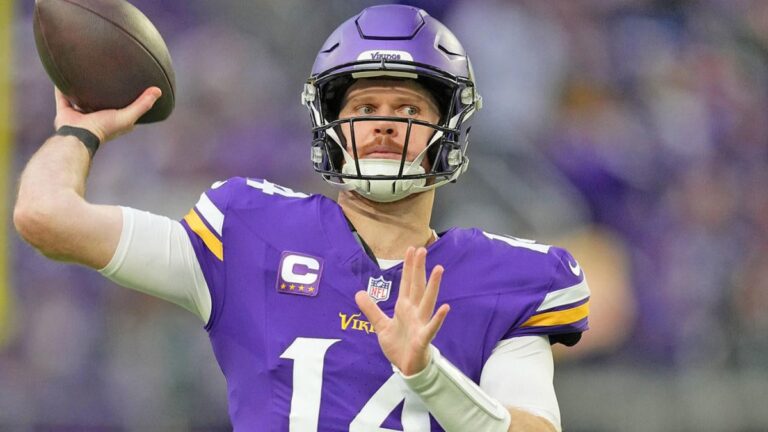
(88, 138)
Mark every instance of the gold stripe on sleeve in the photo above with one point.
(210, 240)
(563, 317)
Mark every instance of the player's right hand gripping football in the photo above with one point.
(106, 124)
(405, 338)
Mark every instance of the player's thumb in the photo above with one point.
(129, 115)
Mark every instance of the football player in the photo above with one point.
(321, 313)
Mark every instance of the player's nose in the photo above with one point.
(385, 127)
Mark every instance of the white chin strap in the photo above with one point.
(383, 190)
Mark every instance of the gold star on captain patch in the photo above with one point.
(292, 287)
(310, 289)
(282, 286)
(301, 287)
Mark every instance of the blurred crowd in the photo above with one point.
(630, 131)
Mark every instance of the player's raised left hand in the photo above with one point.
(405, 337)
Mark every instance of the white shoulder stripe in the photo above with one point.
(210, 213)
(518, 242)
(565, 296)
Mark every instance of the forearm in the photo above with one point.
(523, 421)
(58, 170)
(51, 212)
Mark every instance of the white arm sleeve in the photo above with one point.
(519, 374)
(454, 400)
(155, 256)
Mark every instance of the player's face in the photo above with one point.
(382, 139)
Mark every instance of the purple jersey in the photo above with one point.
(283, 268)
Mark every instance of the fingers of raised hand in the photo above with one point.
(419, 278)
(429, 299)
(371, 310)
(407, 277)
(433, 326)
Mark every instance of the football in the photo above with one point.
(103, 54)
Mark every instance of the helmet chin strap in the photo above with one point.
(383, 190)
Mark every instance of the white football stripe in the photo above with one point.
(210, 213)
(518, 242)
(565, 296)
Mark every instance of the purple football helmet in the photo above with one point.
(401, 42)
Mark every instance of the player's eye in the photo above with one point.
(410, 110)
(365, 110)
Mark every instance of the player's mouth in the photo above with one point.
(382, 151)
(383, 155)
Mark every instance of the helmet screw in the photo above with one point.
(454, 157)
(317, 154)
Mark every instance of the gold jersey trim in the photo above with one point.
(562, 317)
(209, 238)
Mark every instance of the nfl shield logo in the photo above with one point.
(378, 288)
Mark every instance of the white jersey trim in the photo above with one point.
(565, 296)
(519, 243)
(210, 213)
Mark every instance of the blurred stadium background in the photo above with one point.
(633, 132)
